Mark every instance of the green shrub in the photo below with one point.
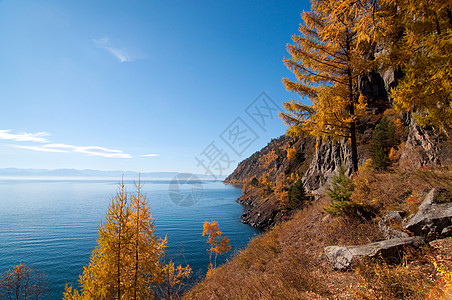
(297, 195)
(383, 139)
(340, 191)
(255, 182)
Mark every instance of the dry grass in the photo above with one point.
(408, 280)
(287, 262)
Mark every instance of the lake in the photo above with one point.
(52, 224)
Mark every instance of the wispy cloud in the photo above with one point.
(90, 150)
(37, 137)
(38, 148)
(149, 155)
(46, 146)
(121, 54)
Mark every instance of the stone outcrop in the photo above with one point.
(263, 210)
(434, 217)
(342, 257)
(421, 147)
(263, 215)
(327, 159)
(432, 221)
(387, 222)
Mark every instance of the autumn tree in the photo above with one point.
(23, 282)
(126, 263)
(173, 280)
(418, 38)
(327, 59)
(218, 244)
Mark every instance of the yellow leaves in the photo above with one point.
(224, 246)
(425, 55)
(23, 282)
(219, 244)
(70, 293)
(126, 263)
(245, 187)
(213, 232)
(210, 271)
(329, 113)
(392, 154)
(283, 200)
(268, 158)
(293, 177)
(291, 152)
(173, 275)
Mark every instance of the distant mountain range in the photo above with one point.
(15, 172)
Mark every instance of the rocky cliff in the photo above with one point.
(314, 161)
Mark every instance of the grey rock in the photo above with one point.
(341, 257)
(434, 218)
(393, 216)
(421, 147)
(328, 157)
(389, 218)
(447, 231)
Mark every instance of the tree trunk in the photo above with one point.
(354, 146)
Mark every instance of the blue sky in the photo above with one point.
(141, 85)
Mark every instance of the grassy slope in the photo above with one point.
(287, 262)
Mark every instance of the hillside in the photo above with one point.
(356, 200)
(289, 260)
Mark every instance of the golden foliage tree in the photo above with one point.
(291, 152)
(419, 37)
(23, 282)
(327, 60)
(218, 244)
(173, 279)
(126, 263)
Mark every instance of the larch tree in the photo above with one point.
(218, 244)
(327, 58)
(418, 37)
(126, 263)
(147, 248)
(23, 282)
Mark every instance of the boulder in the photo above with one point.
(341, 257)
(434, 217)
(390, 218)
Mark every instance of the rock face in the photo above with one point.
(421, 147)
(327, 159)
(434, 217)
(341, 257)
(275, 161)
(263, 212)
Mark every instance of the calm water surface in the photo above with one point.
(52, 224)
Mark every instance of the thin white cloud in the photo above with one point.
(149, 155)
(90, 150)
(39, 148)
(37, 137)
(120, 53)
(58, 148)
